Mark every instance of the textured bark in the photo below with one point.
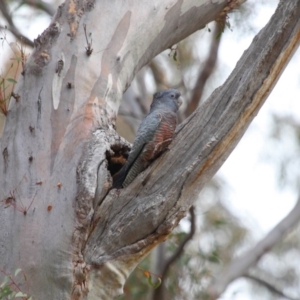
(73, 236)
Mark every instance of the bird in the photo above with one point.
(154, 135)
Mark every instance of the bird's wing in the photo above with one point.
(144, 135)
(134, 164)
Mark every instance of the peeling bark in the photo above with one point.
(88, 243)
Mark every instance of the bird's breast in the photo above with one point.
(162, 137)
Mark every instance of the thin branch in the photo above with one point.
(131, 115)
(180, 248)
(159, 293)
(12, 28)
(269, 286)
(206, 72)
(140, 79)
(241, 265)
(159, 75)
(5, 13)
(25, 40)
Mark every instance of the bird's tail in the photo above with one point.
(119, 178)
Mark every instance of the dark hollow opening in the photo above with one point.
(117, 157)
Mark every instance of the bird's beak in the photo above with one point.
(179, 101)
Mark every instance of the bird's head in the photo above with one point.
(170, 99)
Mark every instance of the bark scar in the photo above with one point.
(5, 158)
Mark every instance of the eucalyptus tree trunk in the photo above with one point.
(74, 236)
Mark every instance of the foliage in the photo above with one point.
(8, 78)
(9, 289)
(217, 238)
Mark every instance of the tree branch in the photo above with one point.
(269, 286)
(12, 28)
(159, 292)
(206, 71)
(159, 75)
(240, 266)
(131, 115)
(180, 248)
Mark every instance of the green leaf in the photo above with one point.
(227, 23)
(17, 272)
(11, 80)
(220, 222)
(6, 291)
(219, 35)
(20, 294)
(214, 257)
(4, 282)
(154, 285)
(175, 56)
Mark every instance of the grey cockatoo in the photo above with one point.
(153, 136)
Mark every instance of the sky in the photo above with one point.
(245, 169)
(253, 192)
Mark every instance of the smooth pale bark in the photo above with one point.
(78, 239)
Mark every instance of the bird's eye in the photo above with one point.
(172, 95)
